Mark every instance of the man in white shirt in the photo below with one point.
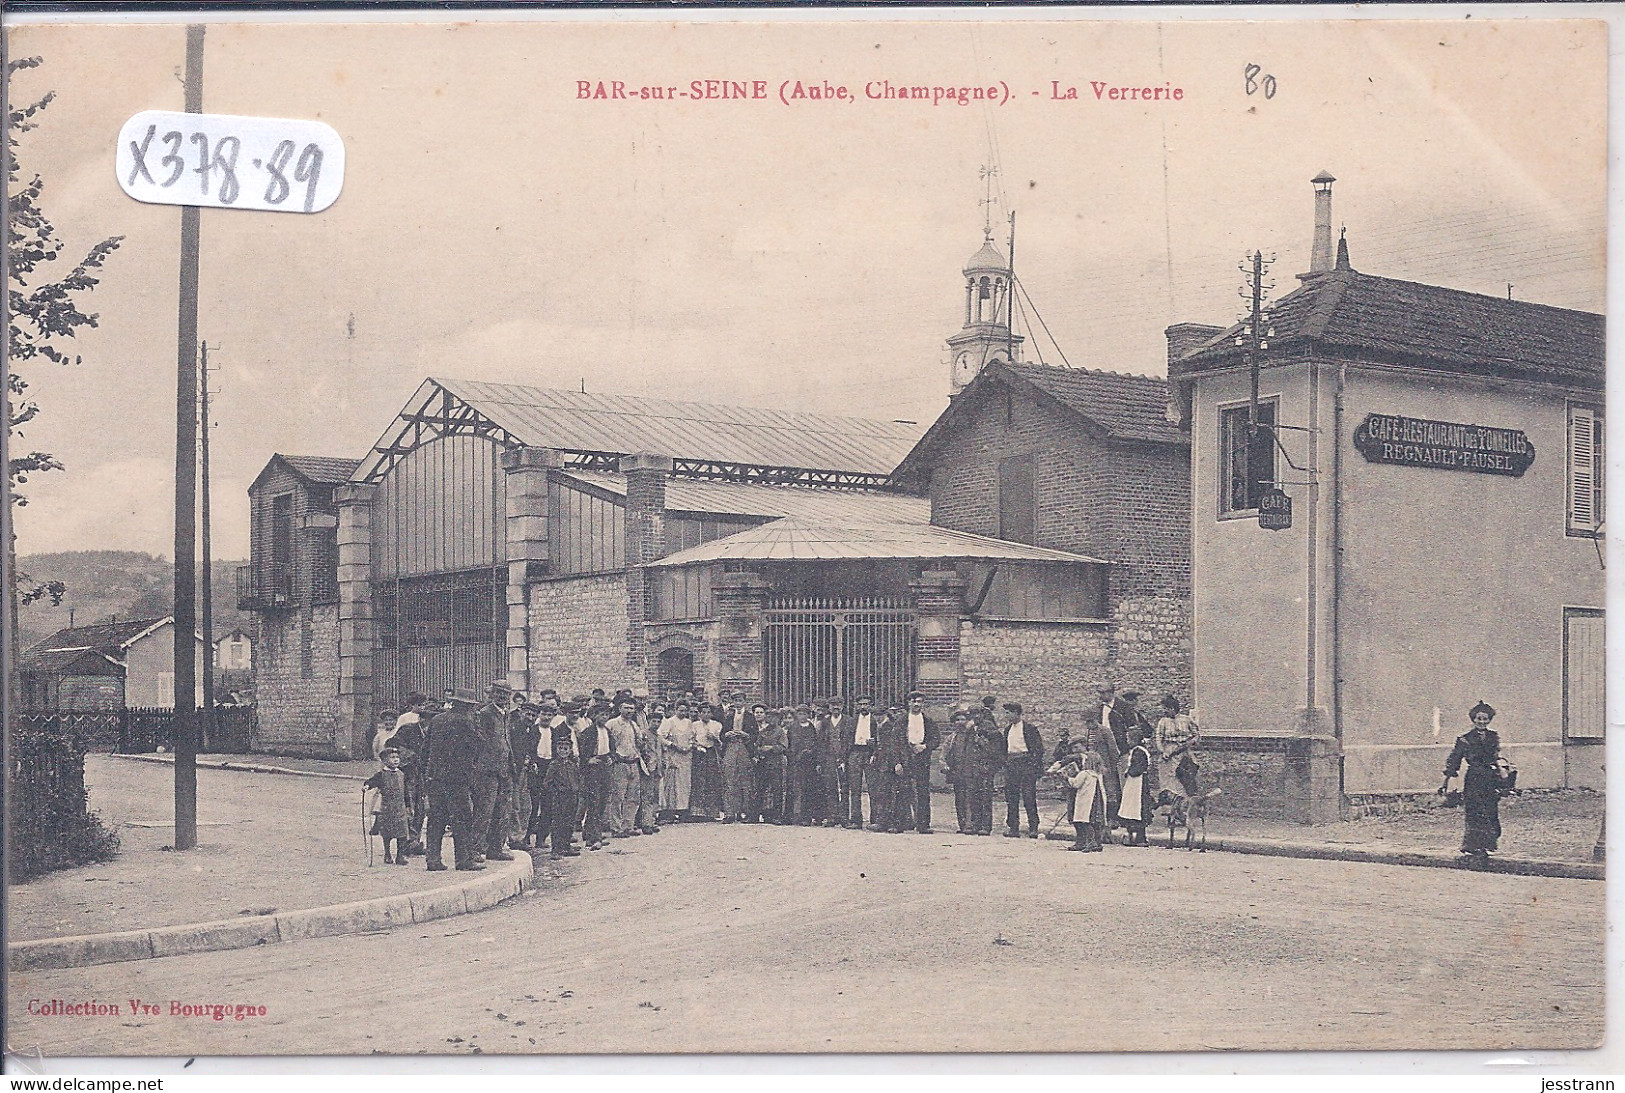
(922, 737)
(1023, 760)
(859, 733)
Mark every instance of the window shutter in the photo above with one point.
(1582, 469)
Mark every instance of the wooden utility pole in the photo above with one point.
(1255, 336)
(186, 445)
(206, 563)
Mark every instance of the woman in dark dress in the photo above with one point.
(1480, 747)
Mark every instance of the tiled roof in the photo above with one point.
(56, 660)
(748, 499)
(791, 539)
(1119, 405)
(574, 421)
(1126, 406)
(324, 469)
(104, 637)
(1426, 325)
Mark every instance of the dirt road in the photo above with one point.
(751, 939)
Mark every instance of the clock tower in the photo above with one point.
(986, 336)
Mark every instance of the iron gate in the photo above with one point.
(815, 648)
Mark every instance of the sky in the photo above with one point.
(804, 255)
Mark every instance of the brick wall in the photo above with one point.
(964, 485)
(699, 639)
(578, 635)
(312, 547)
(1251, 772)
(1128, 503)
(1050, 668)
(298, 710)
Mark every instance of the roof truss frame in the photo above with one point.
(435, 412)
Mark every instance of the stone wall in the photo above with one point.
(578, 635)
(1049, 667)
(1151, 644)
(296, 681)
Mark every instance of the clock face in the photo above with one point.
(964, 368)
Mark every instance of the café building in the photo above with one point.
(1415, 524)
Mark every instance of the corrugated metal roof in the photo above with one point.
(793, 540)
(574, 421)
(747, 499)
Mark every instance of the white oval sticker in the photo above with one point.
(222, 161)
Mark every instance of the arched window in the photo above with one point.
(674, 669)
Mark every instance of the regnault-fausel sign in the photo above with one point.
(1419, 442)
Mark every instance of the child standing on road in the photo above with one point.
(1134, 811)
(561, 796)
(389, 818)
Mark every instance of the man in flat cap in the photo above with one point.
(626, 780)
(804, 784)
(772, 750)
(454, 744)
(493, 773)
(859, 732)
(921, 737)
(1023, 762)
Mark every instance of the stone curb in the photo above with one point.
(477, 893)
(1428, 859)
(241, 768)
(1425, 859)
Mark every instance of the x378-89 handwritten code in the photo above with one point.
(230, 162)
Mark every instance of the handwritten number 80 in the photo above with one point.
(307, 170)
(1254, 84)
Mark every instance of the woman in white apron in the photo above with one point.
(1134, 812)
(677, 740)
(1088, 801)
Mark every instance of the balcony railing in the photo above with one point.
(264, 587)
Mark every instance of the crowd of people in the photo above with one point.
(510, 773)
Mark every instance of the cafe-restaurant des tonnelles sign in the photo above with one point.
(1419, 442)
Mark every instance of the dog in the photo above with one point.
(1187, 812)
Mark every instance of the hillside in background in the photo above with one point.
(107, 584)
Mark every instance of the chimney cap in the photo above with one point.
(1325, 177)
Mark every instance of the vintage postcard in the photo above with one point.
(962, 533)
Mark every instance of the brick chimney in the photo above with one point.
(1320, 257)
(1184, 338)
(646, 475)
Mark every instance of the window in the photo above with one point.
(683, 532)
(674, 672)
(1585, 476)
(1039, 591)
(1018, 508)
(1247, 472)
(1584, 711)
(682, 593)
(282, 529)
(445, 609)
(588, 533)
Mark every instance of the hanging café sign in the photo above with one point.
(1418, 442)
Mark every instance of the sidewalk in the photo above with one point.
(266, 844)
(1558, 826)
